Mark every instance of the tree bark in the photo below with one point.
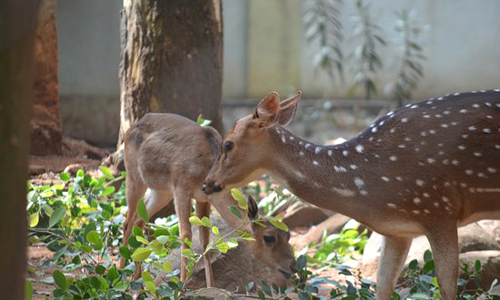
(17, 30)
(171, 60)
(45, 125)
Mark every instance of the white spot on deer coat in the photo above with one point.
(359, 148)
(344, 192)
(359, 182)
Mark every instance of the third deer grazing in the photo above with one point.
(425, 168)
(171, 155)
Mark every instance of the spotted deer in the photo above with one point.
(426, 168)
(171, 155)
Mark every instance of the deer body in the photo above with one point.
(171, 155)
(426, 168)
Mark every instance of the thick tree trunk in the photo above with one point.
(171, 59)
(17, 30)
(46, 128)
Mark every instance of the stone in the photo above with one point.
(45, 125)
(490, 265)
(470, 238)
(304, 214)
(494, 291)
(331, 225)
(213, 294)
(492, 227)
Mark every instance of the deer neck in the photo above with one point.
(326, 176)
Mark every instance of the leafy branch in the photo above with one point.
(411, 69)
(322, 24)
(367, 61)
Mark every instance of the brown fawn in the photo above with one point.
(171, 155)
(426, 168)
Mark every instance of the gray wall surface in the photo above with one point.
(462, 48)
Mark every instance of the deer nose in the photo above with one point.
(209, 187)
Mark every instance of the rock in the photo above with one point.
(494, 291)
(304, 214)
(73, 168)
(490, 265)
(212, 294)
(470, 238)
(331, 225)
(474, 238)
(45, 125)
(492, 227)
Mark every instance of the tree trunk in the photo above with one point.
(46, 128)
(17, 30)
(171, 60)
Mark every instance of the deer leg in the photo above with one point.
(392, 258)
(444, 245)
(183, 209)
(203, 210)
(134, 192)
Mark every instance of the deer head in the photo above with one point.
(245, 144)
(271, 245)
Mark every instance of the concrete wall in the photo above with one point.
(89, 49)
(265, 50)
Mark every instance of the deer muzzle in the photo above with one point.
(210, 187)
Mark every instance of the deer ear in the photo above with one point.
(268, 109)
(288, 108)
(253, 209)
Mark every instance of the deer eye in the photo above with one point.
(270, 239)
(228, 145)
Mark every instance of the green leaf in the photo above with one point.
(142, 211)
(187, 252)
(195, 221)
(141, 254)
(142, 240)
(477, 265)
(146, 276)
(206, 222)
(238, 196)
(427, 255)
(28, 290)
(202, 122)
(222, 246)
(65, 176)
(99, 269)
(33, 221)
(163, 239)
(279, 224)
(80, 173)
(235, 211)
(57, 216)
(215, 230)
(232, 243)
(93, 237)
(167, 266)
(150, 286)
(108, 191)
(266, 289)
(106, 172)
(60, 279)
(125, 252)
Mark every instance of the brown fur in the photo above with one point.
(171, 155)
(422, 169)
